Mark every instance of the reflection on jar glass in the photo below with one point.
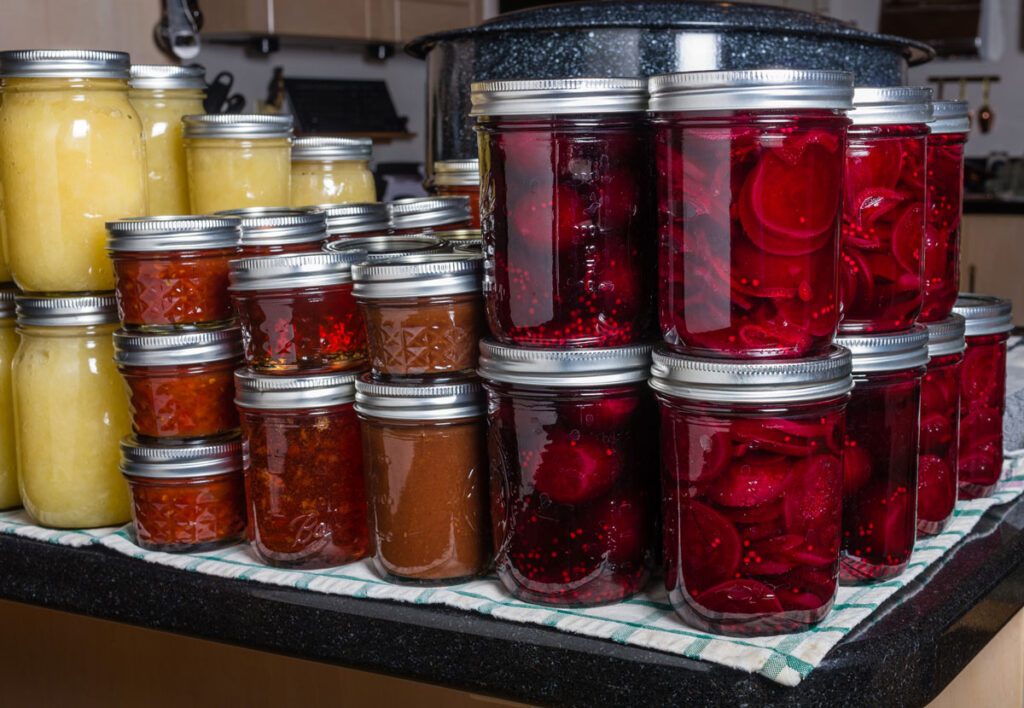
(332, 171)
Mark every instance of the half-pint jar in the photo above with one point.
(423, 215)
(331, 171)
(459, 178)
(268, 231)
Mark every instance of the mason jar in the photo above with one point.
(268, 231)
(378, 248)
(355, 220)
(332, 171)
(8, 458)
(462, 240)
(427, 214)
(459, 178)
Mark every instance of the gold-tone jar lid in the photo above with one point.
(64, 63)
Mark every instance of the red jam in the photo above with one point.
(937, 457)
(982, 403)
(942, 234)
(182, 401)
(188, 514)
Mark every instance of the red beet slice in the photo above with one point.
(979, 466)
(814, 498)
(778, 339)
(876, 164)
(981, 426)
(740, 597)
(792, 198)
(936, 490)
(548, 219)
(908, 238)
(604, 415)
(573, 471)
(549, 550)
(761, 531)
(620, 525)
(795, 599)
(709, 545)
(794, 144)
(872, 203)
(753, 479)
(936, 433)
(857, 468)
(754, 514)
(886, 522)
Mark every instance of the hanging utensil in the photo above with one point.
(986, 116)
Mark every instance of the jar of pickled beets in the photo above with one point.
(938, 448)
(269, 231)
(185, 498)
(752, 480)
(944, 208)
(882, 264)
(574, 495)
(297, 312)
(424, 215)
(180, 385)
(346, 221)
(564, 211)
(387, 247)
(171, 272)
(749, 174)
(303, 460)
(880, 458)
(459, 178)
(982, 392)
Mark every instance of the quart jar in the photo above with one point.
(882, 268)
(880, 459)
(297, 312)
(171, 272)
(304, 488)
(944, 208)
(185, 498)
(749, 181)
(459, 178)
(8, 458)
(379, 248)
(162, 95)
(332, 171)
(574, 496)
(181, 385)
(564, 211)
(425, 456)
(355, 220)
(70, 412)
(269, 231)
(752, 480)
(428, 214)
(982, 392)
(424, 313)
(938, 447)
(237, 160)
(71, 158)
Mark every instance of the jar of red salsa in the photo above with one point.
(459, 178)
(268, 231)
(171, 272)
(424, 215)
(354, 220)
(303, 459)
(387, 247)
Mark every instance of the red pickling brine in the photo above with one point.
(942, 232)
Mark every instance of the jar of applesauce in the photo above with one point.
(332, 171)
(70, 412)
(237, 160)
(163, 94)
(8, 344)
(71, 159)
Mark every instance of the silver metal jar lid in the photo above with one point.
(279, 226)
(950, 117)
(418, 275)
(427, 211)
(753, 89)
(180, 348)
(417, 401)
(984, 314)
(558, 96)
(354, 217)
(875, 353)
(301, 270)
(147, 234)
(946, 337)
(245, 126)
(457, 173)
(7, 297)
(168, 76)
(66, 310)
(564, 368)
(139, 459)
(64, 63)
(460, 237)
(332, 149)
(891, 105)
(752, 380)
(386, 247)
(275, 392)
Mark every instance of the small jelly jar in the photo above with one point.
(564, 211)
(269, 231)
(427, 214)
(880, 459)
(424, 313)
(982, 392)
(387, 247)
(304, 487)
(9, 497)
(571, 439)
(297, 312)
(752, 479)
(944, 208)
(459, 178)
(345, 221)
(938, 448)
(185, 498)
(882, 264)
(462, 240)
(332, 171)
(425, 456)
(749, 182)
(181, 385)
(171, 272)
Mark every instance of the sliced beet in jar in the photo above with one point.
(268, 231)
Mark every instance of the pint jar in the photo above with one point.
(355, 220)
(268, 231)
(428, 214)
(378, 248)
(459, 178)
(8, 458)
(332, 171)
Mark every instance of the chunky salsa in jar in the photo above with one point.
(268, 231)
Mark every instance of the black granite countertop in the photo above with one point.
(915, 645)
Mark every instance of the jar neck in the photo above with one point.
(77, 83)
(541, 391)
(817, 407)
(167, 95)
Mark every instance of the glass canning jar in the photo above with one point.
(8, 459)
(882, 265)
(171, 272)
(71, 158)
(302, 452)
(459, 178)
(880, 460)
(564, 211)
(70, 412)
(982, 392)
(332, 171)
(345, 221)
(162, 95)
(425, 456)
(297, 312)
(185, 498)
(462, 240)
(379, 248)
(428, 214)
(237, 160)
(574, 493)
(268, 231)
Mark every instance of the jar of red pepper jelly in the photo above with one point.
(749, 181)
(572, 449)
(297, 312)
(880, 457)
(424, 215)
(938, 448)
(354, 220)
(564, 211)
(185, 498)
(171, 272)
(459, 178)
(268, 231)
(180, 385)
(944, 208)
(982, 392)
(303, 460)
(884, 206)
(752, 480)
(387, 247)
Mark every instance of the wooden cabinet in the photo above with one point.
(992, 258)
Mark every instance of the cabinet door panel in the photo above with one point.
(345, 19)
(992, 252)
